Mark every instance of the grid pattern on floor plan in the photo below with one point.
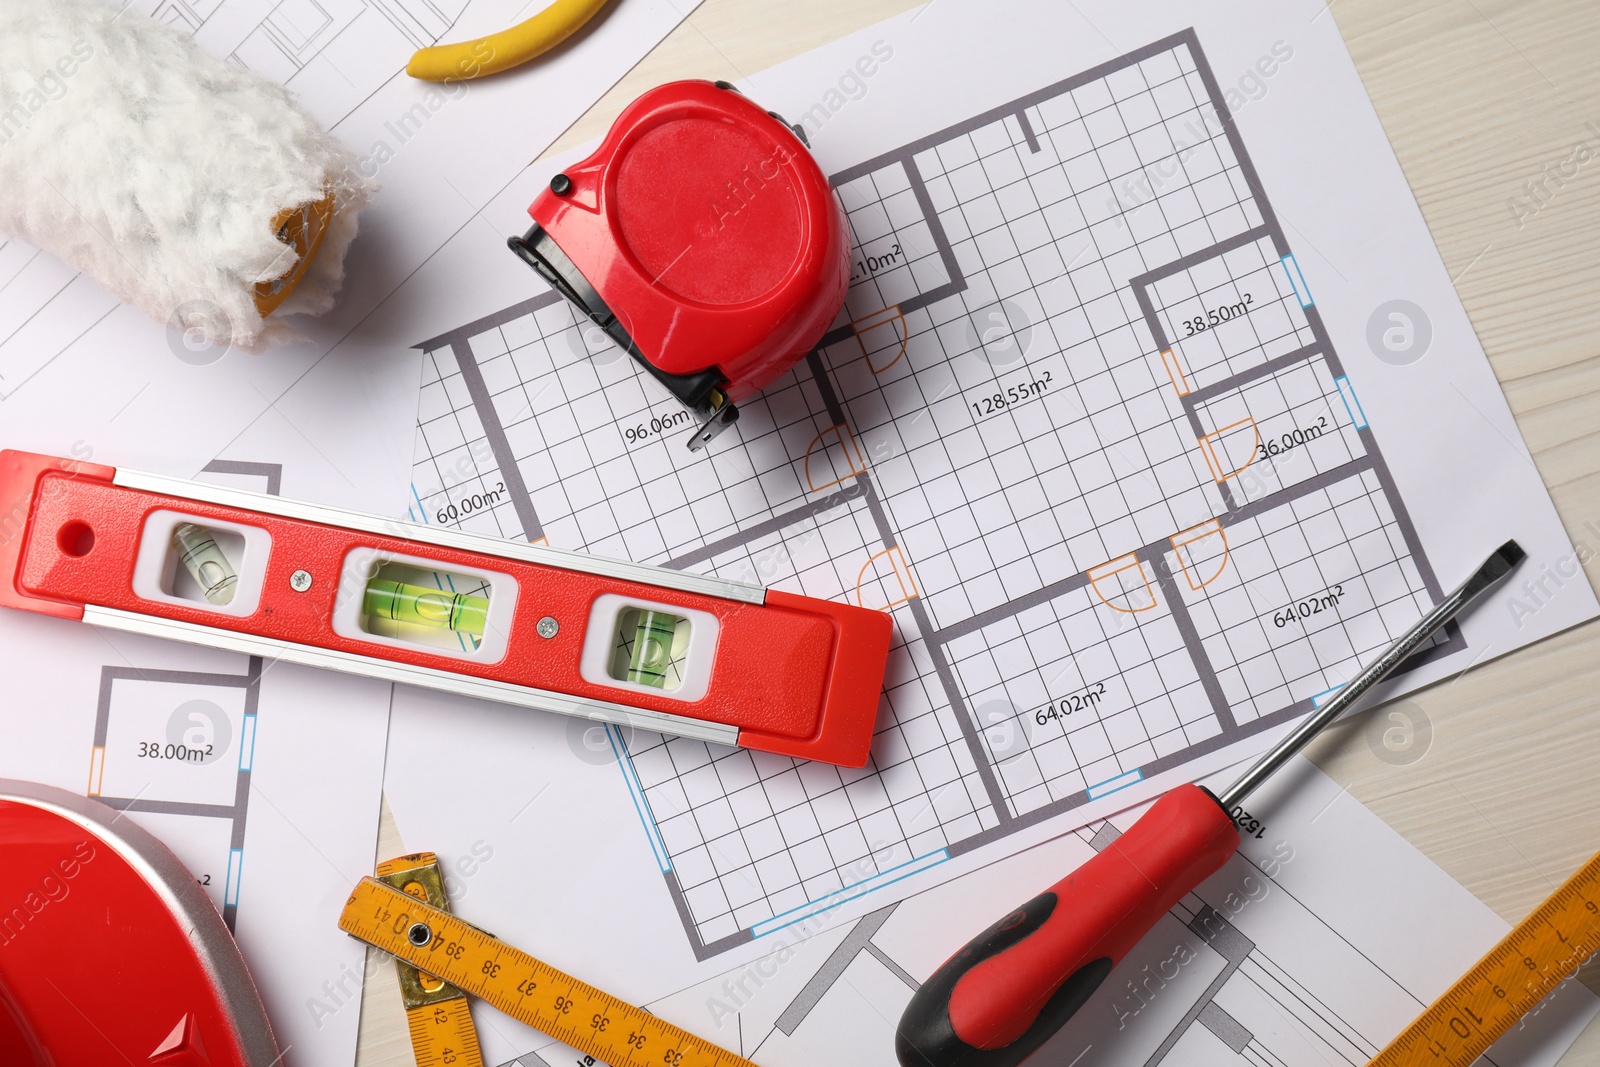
(1007, 441)
(1070, 694)
(1279, 428)
(1049, 213)
(753, 835)
(599, 450)
(896, 255)
(1229, 313)
(1312, 590)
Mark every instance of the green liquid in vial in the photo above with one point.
(421, 606)
(652, 648)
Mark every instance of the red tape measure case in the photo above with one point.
(703, 238)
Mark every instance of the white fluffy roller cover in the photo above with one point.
(166, 174)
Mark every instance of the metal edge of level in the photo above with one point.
(407, 674)
(565, 559)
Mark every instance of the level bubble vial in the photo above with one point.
(418, 606)
(205, 561)
(651, 647)
(432, 608)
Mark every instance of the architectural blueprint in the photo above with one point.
(1101, 460)
(1100, 427)
(1299, 953)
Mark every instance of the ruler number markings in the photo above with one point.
(588, 1019)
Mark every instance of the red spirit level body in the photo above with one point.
(109, 951)
(705, 241)
(560, 631)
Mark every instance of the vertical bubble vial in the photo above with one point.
(203, 559)
(652, 648)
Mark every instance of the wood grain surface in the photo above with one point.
(1480, 98)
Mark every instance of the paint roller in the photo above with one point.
(203, 193)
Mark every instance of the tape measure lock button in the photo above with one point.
(703, 239)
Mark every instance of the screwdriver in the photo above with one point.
(1010, 988)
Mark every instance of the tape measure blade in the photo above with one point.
(527, 989)
(1509, 982)
(442, 1035)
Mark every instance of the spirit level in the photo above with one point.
(544, 628)
(109, 950)
(1508, 983)
(529, 990)
(703, 239)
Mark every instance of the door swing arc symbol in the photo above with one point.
(1123, 584)
(1218, 448)
(1202, 553)
(882, 338)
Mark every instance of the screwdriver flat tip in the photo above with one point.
(1510, 554)
(1497, 566)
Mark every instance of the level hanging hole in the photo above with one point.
(76, 538)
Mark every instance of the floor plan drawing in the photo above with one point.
(1082, 431)
(178, 747)
(334, 52)
(1222, 968)
(1252, 969)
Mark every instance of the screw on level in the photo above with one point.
(548, 627)
(300, 581)
(561, 185)
(419, 934)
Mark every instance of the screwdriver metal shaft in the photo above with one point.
(1494, 568)
(1010, 988)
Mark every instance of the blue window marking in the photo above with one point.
(247, 743)
(1324, 696)
(1298, 280)
(1111, 785)
(636, 791)
(839, 897)
(1352, 403)
(230, 895)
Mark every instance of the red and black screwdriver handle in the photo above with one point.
(1010, 988)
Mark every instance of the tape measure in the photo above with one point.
(1509, 982)
(703, 239)
(464, 958)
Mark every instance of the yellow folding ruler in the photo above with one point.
(1509, 982)
(436, 1011)
(402, 911)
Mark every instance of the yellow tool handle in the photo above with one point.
(530, 991)
(506, 49)
(1509, 982)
